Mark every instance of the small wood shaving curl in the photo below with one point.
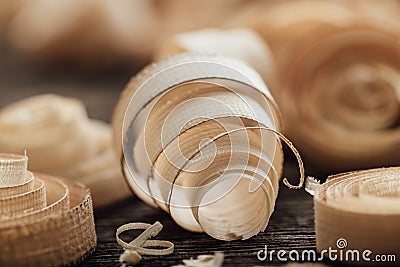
(215, 260)
(140, 245)
(129, 257)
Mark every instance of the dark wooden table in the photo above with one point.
(291, 226)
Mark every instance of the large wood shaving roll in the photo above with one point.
(343, 106)
(61, 140)
(360, 210)
(44, 221)
(339, 69)
(197, 138)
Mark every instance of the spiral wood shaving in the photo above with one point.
(44, 221)
(347, 99)
(61, 140)
(360, 210)
(197, 135)
(339, 67)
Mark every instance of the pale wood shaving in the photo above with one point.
(215, 260)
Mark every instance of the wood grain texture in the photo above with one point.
(291, 226)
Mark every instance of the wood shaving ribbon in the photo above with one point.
(199, 137)
(359, 211)
(141, 243)
(44, 221)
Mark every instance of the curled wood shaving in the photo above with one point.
(139, 246)
(311, 185)
(62, 141)
(217, 112)
(359, 210)
(44, 221)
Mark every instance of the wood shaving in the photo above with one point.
(140, 245)
(359, 211)
(215, 260)
(216, 113)
(129, 257)
(61, 140)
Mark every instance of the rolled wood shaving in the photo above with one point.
(362, 207)
(25, 202)
(146, 161)
(351, 122)
(52, 129)
(61, 140)
(60, 233)
(337, 62)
